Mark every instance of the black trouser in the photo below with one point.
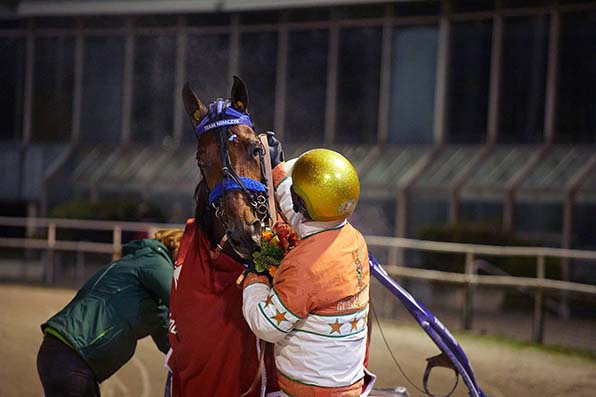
(63, 372)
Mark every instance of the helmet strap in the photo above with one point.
(298, 205)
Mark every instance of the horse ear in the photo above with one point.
(239, 95)
(193, 105)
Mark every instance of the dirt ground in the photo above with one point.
(502, 369)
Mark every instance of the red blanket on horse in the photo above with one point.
(214, 351)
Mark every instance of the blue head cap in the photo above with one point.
(222, 114)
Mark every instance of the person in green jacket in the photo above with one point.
(97, 332)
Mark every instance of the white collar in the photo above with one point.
(308, 228)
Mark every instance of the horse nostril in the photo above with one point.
(256, 232)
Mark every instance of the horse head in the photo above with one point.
(230, 157)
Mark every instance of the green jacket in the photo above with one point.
(122, 302)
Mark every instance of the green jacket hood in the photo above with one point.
(133, 248)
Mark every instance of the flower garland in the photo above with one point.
(275, 245)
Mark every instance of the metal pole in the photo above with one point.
(77, 95)
(468, 305)
(401, 222)
(117, 242)
(29, 233)
(538, 325)
(234, 60)
(331, 91)
(29, 83)
(385, 80)
(495, 77)
(441, 85)
(50, 257)
(551, 77)
(180, 77)
(80, 267)
(566, 243)
(281, 78)
(128, 84)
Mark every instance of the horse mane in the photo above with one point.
(204, 216)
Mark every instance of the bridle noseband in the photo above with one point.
(220, 117)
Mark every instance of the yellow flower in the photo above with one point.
(267, 235)
(272, 270)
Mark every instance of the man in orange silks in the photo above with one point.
(316, 308)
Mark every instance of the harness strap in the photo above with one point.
(267, 171)
(219, 248)
(257, 378)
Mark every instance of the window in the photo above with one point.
(308, 14)
(576, 118)
(428, 7)
(104, 21)
(156, 21)
(259, 17)
(413, 84)
(258, 61)
(210, 19)
(583, 227)
(523, 76)
(472, 5)
(12, 77)
(538, 217)
(207, 75)
(101, 108)
(360, 11)
(358, 85)
(53, 89)
(55, 23)
(524, 3)
(475, 211)
(153, 108)
(468, 81)
(306, 86)
(425, 210)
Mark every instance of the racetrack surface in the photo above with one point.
(502, 369)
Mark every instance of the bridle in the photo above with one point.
(220, 117)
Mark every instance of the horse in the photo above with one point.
(213, 350)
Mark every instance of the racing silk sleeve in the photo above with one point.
(271, 313)
(283, 181)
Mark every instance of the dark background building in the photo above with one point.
(454, 111)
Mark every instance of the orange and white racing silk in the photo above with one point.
(317, 309)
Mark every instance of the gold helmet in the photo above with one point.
(327, 183)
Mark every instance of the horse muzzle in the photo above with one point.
(245, 239)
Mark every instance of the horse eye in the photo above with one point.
(257, 151)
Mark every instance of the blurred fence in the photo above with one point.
(41, 234)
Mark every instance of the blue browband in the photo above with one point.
(230, 184)
(222, 114)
